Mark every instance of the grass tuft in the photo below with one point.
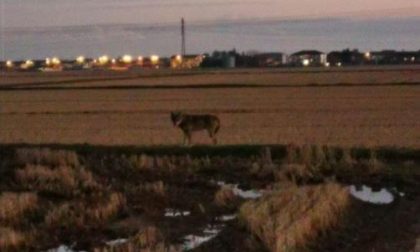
(46, 156)
(291, 218)
(63, 180)
(11, 240)
(225, 197)
(14, 205)
(81, 215)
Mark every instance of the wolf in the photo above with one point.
(189, 123)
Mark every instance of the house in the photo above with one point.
(308, 58)
(345, 57)
(385, 57)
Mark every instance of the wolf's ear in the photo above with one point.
(176, 113)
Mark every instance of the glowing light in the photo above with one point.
(140, 58)
(413, 59)
(327, 64)
(103, 60)
(114, 61)
(178, 58)
(306, 62)
(47, 61)
(9, 64)
(154, 59)
(80, 59)
(55, 61)
(367, 55)
(339, 64)
(28, 64)
(127, 59)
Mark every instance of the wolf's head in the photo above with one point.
(176, 117)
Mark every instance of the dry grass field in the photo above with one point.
(291, 109)
(278, 198)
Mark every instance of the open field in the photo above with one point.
(364, 111)
(308, 161)
(369, 75)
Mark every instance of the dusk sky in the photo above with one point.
(28, 13)
(67, 28)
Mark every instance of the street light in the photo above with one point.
(103, 60)
(154, 59)
(28, 64)
(55, 61)
(48, 61)
(9, 64)
(127, 59)
(80, 60)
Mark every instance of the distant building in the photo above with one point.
(220, 59)
(229, 61)
(154, 62)
(391, 57)
(385, 57)
(29, 65)
(409, 57)
(308, 58)
(273, 59)
(186, 61)
(345, 58)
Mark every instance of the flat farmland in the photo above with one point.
(132, 187)
(385, 75)
(344, 115)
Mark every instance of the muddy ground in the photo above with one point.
(174, 190)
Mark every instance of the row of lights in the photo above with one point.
(102, 60)
(368, 55)
(126, 59)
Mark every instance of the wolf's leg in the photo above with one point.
(214, 140)
(187, 138)
(212, 135)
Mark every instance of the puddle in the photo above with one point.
(116, 242)
(175, 213)
(367, 195)
(62, 248)
(226, 217)
(417, 248)
(245, 194)
(193, 241)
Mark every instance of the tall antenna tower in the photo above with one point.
(183, 37)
